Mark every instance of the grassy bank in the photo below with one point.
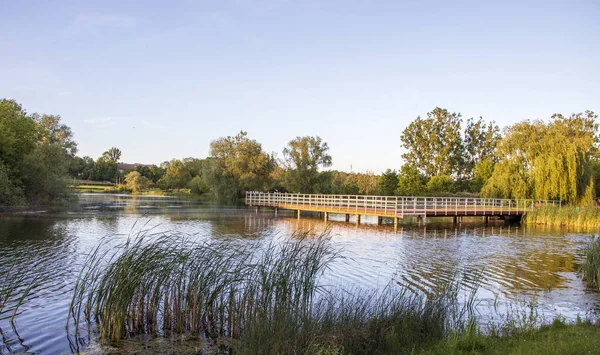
(566, 216)
(557, 338)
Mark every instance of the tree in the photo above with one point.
(237, 164)
(547, 160)
(410, 181)
(388, 183)
(440, 184)
(367, 183)
(53, 132)
(481, 174)
(303, 157)
(35, 153)
(480, 143)
(193, 165)
(434, 145)
(176, 175)
(113, 154)
(44, 174)
(18, 136)
(135, 182)
(10, 193)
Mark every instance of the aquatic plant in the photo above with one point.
(590, 269)
(566, 216)
(251, 297)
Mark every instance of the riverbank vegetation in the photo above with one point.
(35, 151)
(590, 269)
(251, 298)
(444, 155)
(565, 216)
(266, 297)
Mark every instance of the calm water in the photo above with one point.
(509, 265)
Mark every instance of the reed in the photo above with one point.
(566, 216)
(590, 269)
(257, 297)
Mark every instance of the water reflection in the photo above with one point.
(505, 262)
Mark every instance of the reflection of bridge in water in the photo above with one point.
(396, 207)
(314, 226)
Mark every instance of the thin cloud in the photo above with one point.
(100, 122)
(152, 125)
(94, 23)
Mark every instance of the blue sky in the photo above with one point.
(160, 80)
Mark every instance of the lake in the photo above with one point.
(510, 266)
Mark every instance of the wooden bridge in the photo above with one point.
(396, 207)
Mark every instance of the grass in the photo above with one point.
(556, 338)
(590, 269)
(566, 216)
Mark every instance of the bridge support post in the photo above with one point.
(298, 214)
(485, 220)
(379, 220)
(347, 217)
(325, 216)
(319, 214)
(256, 210)
(395, 223)
(276, 211)
(455, 220)
(357, 219)
(419, 220)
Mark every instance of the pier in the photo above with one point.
(396, 207)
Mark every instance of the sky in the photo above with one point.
(161, 80)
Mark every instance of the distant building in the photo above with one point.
(126, 166)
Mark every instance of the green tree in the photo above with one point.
(237, 164)
(388, 183)
(441, 184)
(176, 175)
(434, 145)
(45, 174)
(10, 193)
(547, 161)
(54, 132)
(18, 136)
(367, 183)
(193, 165)
(135, 182)
(481, 174)
(113, 154)
(410, 181)
(480, 143)
(303, 157)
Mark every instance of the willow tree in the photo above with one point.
(547, 160)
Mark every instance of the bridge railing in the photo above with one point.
(396, 205)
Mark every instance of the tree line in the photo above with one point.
(443, 155)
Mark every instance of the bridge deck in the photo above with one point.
(392, 206)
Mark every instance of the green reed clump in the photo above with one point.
(255, 297)
(590, 269)
(566, 216)
(161, 284)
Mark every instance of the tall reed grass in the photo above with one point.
(254, 298)
(566, 216)
(590, 269)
